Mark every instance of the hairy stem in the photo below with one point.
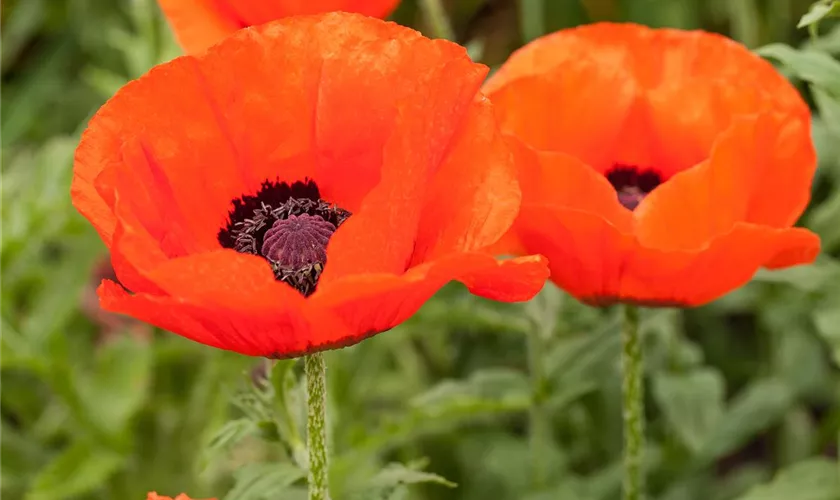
(632, 367)
(316, 426)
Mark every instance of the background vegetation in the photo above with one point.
(743, 395)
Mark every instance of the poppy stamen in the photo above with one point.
(289, 226)
(632, 184)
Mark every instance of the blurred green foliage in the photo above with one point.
(744, 394)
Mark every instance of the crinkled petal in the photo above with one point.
(229, 301)
(564, 108)
(369, 304)
(759, 172)
(474, 196)
(598, 264)
(693, 278)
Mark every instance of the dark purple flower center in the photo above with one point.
(289, 226)
(632, 184)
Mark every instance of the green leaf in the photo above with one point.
(389, 482)
(20, 453)
(484, 391)
(810, 278)
(120, 383)
(811, 66)
(228, 436)
(829, 108)
(754, 410)
(582, 357)
(412, 473)
(827, 321)
(818, 12)
(815, 479)
(823, 221)
(79, 469)
(692, 403)
(264, 481)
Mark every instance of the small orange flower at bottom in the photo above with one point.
(154, 496)
(301, 186)
(658, 167)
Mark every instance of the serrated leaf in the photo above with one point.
(692, 403)
(755, 409)
(815, 479)
(264, 481)
(811, 66)
(79, 469)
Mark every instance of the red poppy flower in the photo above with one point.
(657, 166)
(154, 496)
(216, 182)
(198, 24)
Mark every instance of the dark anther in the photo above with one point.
(289, 226)
(632, 184)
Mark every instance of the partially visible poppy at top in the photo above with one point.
(154, 496)
(301, 186)
(658, 166)
(198, 24)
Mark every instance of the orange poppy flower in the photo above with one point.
(658, 167)
(217, 181)
(198, 24)
(154, 496)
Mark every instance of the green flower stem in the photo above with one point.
(632, 367)
(539, 431)
(436, 14)
(316, 426)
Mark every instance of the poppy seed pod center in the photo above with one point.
(632, 184)
(289, 226)
(298, 241)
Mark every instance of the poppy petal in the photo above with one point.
(692, 278)
(176, 135)
(688, 117)
(373, 303)
(230, 301)
(586, 253)
(562, 180)
(588, 127)
(592, 260)
(759, 172)
(606, 44)
(198, 24)
(422, 132)
(474, 196)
